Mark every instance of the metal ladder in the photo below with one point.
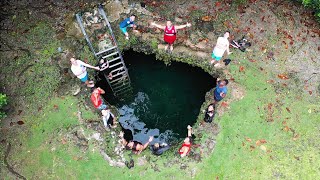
(120, 84)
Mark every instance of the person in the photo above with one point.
(186, 146)
(135, 146)
(210, 113)
(158, 149)
(222, 45)
(96, 99)
(128, 22)
(221, 90)
(104, 67)
(170, 32)
(79, 69)
(109, 120)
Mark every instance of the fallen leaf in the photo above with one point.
(241, 69)
(20, 122)
(288, 109)
(295, 137)
(310, 92)
(258, 143)
(243, 144)
(248, 139)
(270, 81)
(55, 106)
(263, 141)
(253, 60)
(224, 104)
(206, 18)
(252, 147)
(63, 141)
(283, 76)
(263, 148)
(286, 128)
(284, 123)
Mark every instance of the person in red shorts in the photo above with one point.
(96, 99)
(186, 146)
(170, 32)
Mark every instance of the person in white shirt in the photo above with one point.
(221, 46)
(79, 69)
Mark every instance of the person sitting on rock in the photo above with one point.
(222, 45)
(135, 146)
(96, 99)
(186, 146)
(210, 113)
(221, 90)
(158, 149)
(79, 69)
(128, 22)
(109, 120)
(170, 32)
(104, 67)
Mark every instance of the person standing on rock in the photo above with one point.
(221, 90)
(222, 45)
(170, 32)
(128, 22)
(96, 99)
(79, 69)
(186, 146)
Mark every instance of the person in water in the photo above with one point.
(158, 149)
(170, 32)
(135, 146)
(186, 146)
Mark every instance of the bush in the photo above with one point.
(315, 4)
(3, 102)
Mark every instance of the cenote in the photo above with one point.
(165, 98)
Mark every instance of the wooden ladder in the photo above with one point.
(120, 84)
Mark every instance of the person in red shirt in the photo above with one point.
(170, 32)
(186, 146)
(96, 99)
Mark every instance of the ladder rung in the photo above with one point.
(114, 59)
(119, 87)
(122, 89)
(114, 53)
(118, 69)
(119, 83)
(106, 50)
(119, 74)
(113, 65)
(122, 92)
(118, 79)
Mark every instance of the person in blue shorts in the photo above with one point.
(222, 45)
(128, 22)
(221, 90)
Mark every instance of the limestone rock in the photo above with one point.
(178, 20)
(202, 45)
(141, 161)
(114, 9)
(73, 30)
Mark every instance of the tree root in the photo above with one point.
(10, 167)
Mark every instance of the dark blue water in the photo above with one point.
(166, 98)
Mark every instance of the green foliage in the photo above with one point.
(3, 102)
(37, 75)
(315, 4)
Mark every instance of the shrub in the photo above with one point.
(3, 102)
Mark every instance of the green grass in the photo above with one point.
(285, 157)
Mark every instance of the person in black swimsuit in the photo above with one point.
(104, 67)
